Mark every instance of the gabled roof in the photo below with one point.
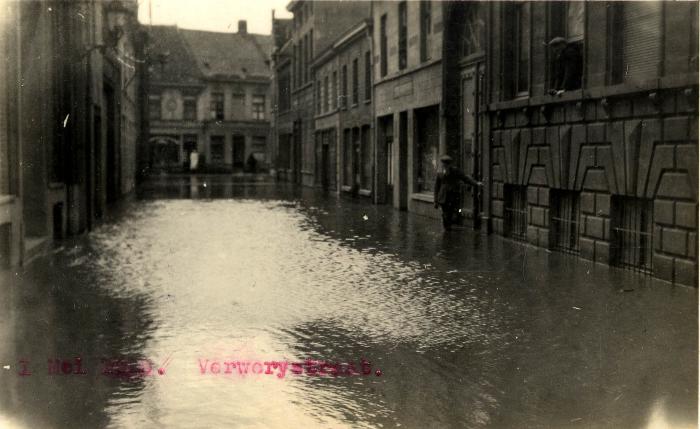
(195, 55)
(179, 65)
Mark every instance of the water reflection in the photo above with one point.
(469, 331)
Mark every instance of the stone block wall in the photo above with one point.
(636, 145)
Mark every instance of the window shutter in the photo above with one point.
(642, 40)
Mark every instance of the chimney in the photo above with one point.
(242, 26)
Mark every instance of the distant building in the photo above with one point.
(210, 93)
(316, 25)
(579, 117)
(344, 150)
(70, 118)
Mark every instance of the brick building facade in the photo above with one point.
(344, 117)
(210, 93)
(579, 117)
(316, 25)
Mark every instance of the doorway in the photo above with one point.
(238, 151)
(401, 200)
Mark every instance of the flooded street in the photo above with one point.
(461, 330)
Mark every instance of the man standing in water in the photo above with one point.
(447, 190)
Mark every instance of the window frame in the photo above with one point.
(425, 29)
(355, 81)
(402, 33)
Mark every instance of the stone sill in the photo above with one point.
(423, 196)
(365, 192)
(7, 199)
(624, 89)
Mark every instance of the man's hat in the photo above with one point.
(446, 159)
(557, 41)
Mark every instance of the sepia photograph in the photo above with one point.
(300, 214)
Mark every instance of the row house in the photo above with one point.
(315, 27)
(344, 152)
(579, 117)
(71, 118)
(209, 93)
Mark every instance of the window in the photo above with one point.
(474, 32)
(189, 109)
(347, 157)
(217, 106)
(238, 104)
(318, 97)
(403, 36)
(566, 61)
(344, 87)
(259, 107)
(564, 220)
(283, 91)
(515, 211)
(355, 83)
(523, 47)
(368, 76)
(216, 149)
(326, 95)
(632, 239)
(635, 45)
(259, 148)
(425, 30)
(427, 143)
(366, 155)
(307, 57)
(334, 94)
(382, 46)
(154, 109)
(189, 144)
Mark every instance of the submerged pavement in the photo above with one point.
(150, 320)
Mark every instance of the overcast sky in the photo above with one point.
(214, 15)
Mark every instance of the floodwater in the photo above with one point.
(467, 331)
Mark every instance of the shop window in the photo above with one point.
(564, 220)
(632, 239)
(515, 211)
(427, 142)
